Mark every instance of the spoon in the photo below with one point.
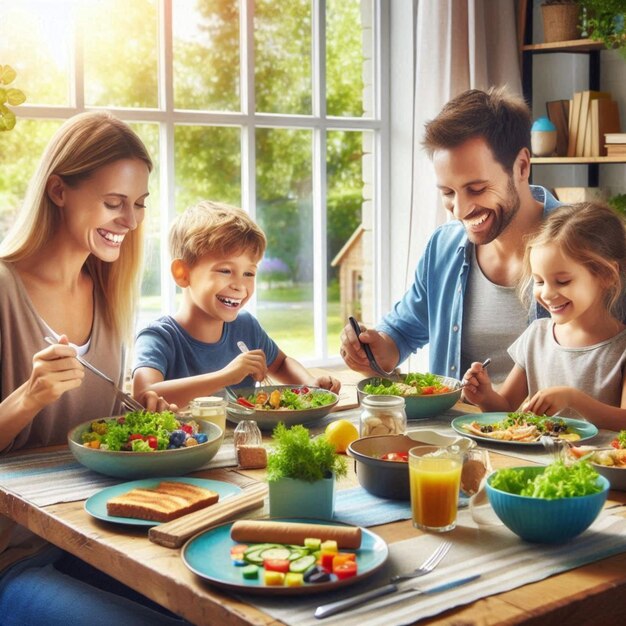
(370, 355)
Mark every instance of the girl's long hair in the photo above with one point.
(82, 145)
(593, 235)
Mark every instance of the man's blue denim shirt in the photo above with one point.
(431, 311)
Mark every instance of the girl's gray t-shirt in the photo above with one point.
(596, 370)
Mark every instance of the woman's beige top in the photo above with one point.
(21, 336)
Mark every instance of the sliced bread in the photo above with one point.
(165, 502)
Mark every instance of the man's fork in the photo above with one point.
(427, 566)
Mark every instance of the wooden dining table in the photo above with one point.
(591, 594)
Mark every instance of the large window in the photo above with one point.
(272, 106)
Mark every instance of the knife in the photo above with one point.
(326, 610)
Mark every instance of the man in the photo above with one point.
(463, 301)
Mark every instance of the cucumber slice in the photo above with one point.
(262, 546)
(276, 553)
(296, 554)
(254, 557)
(302, 564)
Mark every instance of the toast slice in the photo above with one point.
(165, 502)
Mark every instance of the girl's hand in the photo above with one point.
(550, 401)
(327, 382)
(250, 363)
(55, 371)
(477, 384)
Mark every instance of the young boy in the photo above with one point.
(215, 251)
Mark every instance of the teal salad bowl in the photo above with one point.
(540, 520)
(420, 406)
(174, 462)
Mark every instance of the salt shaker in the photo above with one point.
(249, 450)
(382, 415)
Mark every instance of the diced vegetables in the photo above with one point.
(293, 565)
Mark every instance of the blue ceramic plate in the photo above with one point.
(586, 430)
(208, 555)
(96, 505)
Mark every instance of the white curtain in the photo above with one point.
(459, 45)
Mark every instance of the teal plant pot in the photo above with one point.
(290, 497)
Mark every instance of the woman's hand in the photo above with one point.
(327, 382)
(55, 371)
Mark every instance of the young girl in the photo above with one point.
(573, 363)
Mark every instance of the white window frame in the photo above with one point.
(248, 120)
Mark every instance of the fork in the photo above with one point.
(267, 381)
(127, 400)
(427, 566)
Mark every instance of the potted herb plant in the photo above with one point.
(301, 472)
(604, 20)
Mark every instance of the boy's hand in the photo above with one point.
(250, 363)
(477, 384)
(156, 403)
(327, 382)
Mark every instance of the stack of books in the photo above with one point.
(615, 144)
(590, 115)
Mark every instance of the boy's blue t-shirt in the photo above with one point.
(166, 346)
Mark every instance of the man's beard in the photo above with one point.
(501, 219)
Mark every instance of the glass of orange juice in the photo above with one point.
(435, 476)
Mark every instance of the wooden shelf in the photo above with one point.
(580, 160)
(575, 45)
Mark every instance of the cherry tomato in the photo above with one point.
(396, 456)
(187, 428)
(153, 442)
(276, 565)
(615, 443)
(345, 570)
(428, 391)
(304, 389)
(296, 390)
(135, 436)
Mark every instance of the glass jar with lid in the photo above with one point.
(382, 415)
(210, 409)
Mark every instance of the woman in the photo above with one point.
(69, 268)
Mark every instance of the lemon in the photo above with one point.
(341, 433)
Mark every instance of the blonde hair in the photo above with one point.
(82, 145)
(591, 234)
(217, 229)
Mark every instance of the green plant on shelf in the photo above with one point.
(604, 20)
(8, 96)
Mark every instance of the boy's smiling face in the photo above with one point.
(218, 286)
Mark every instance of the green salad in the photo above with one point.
(558, 480)
(294, 399)
(142, 431)
(411, 385)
